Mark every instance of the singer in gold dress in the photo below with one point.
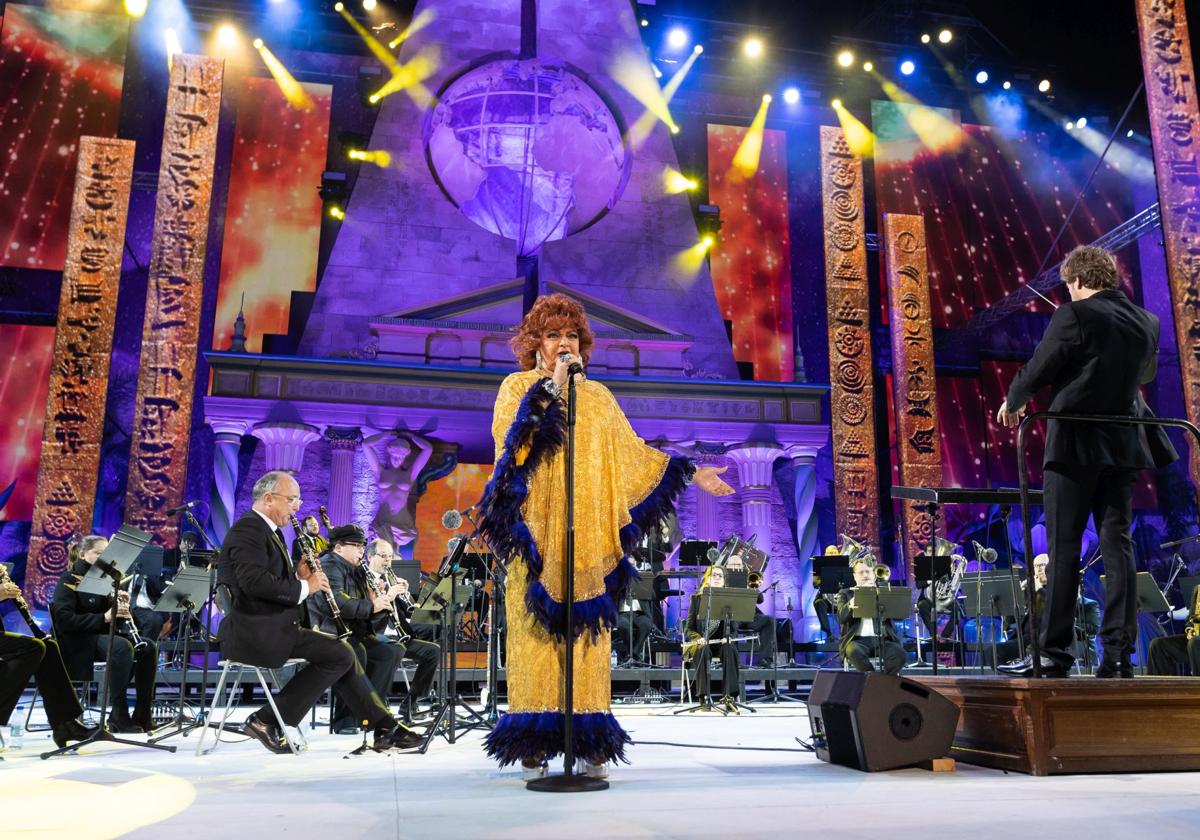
(622, 486)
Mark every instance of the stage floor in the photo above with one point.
(759, 784)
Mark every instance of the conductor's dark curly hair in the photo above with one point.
(550, 312)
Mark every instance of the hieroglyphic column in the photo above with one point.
(70, 460)
(852, 392)
(913, 377)
(1175, 130)
(162, 416)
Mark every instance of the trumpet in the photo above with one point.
(883, 572)
(314, 565)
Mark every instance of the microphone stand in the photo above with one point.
(568, 782)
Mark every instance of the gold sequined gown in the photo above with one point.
(622, 486)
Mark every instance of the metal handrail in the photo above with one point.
(1023, 476)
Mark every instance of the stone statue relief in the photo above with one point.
(404, 456)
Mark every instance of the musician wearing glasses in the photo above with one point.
(420, 646)
(1087, 621)
(81, 626)
(704, 642)
(264, 595)
(1172, 655)
(22, 657)
(861, 640)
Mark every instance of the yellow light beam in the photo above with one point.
(932, 128)
(858, 137)
(408, 76)
(379, 157)
(687, 263)
(633, 72)
(174, 48)
(293, 91)
(675, 182)
(418, 23)
(745, 159)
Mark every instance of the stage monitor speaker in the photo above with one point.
(872, 721)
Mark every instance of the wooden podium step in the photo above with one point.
(1075, 725)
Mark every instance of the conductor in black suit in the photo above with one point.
(262, 625)
(1097, 351)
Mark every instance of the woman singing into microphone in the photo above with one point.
(622, 486)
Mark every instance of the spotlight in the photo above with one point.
(1081, 122)
(258, 43)
(136, 8)
(945, 36)
(981, 77)
(767, 98)
(677, 38)
(845, 58)
(925, 39)
(174, 48)
(837, 103)
(674, 129)
(753, 48)
(707, 241)
(1006, 85)
(1044, 86)
(677, 182)
(907, 67)
(791, 96)
(227, 36)
(337, 212)
(337, 7)
(699, 48)
(645, 22)
(369, 5)
(1129, 133)
(1069, 126)
(868, 66)
(657, 73)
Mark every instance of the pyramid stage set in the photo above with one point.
(761, 416)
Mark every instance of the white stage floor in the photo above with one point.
(762, 785)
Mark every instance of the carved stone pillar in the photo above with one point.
(755, 463)
(804, 461)
(343, 442)
(286, 443)
(227, 444)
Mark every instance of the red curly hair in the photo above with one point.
(550, 312)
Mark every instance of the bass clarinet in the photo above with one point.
(314, 565)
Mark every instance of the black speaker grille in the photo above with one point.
(905, 721)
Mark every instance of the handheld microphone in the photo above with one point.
(181, 508)
(574, 367)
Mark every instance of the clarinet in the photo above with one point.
(22, 607)
(394, 617)
(314, 565)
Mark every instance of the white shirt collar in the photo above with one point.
(266, 519)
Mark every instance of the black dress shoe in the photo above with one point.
(1110, 668)
(396, 737)
(268, 734)
(145, 722)
(1024, 668)
(72, 730)
(124, 726)
(346, 729)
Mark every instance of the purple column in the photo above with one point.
(755, 463)
(285, 444)
(227, 443)
(343, 443)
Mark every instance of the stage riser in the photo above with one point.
(1079, 725)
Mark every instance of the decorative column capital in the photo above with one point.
(755, 462)
(343, 437)
(802, 454)
(286, 443)
(228, 427)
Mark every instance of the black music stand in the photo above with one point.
(993, 596)
(695, 552)
(929, 568)
(642, 590)
(1187, 583)
(892, 603)
(189, 588)
(730, 606)
(104, 578)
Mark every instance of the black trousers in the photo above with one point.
(22, 657)
(378, 660)
(730, 671)
(1172, 655)
(1071, 495)
(129, 665)
(331, 662)
(427, 655)
(863, 649)
(641, 625)
(768, 637)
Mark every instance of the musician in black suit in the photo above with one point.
(81, 625)
(22, 657)
(701, 647)
(365, 613)
(1087, 622)
(1096, 352)
(861, 640)
(262, 623)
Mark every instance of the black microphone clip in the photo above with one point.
(181, 508)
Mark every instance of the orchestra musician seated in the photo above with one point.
(262, 624)
(634, 624)
(365, 612)
(861, 640)
(1178, 654)
(1087, 623)
(419, 647)
(22, 657)
(81, 625)
(706, 640)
